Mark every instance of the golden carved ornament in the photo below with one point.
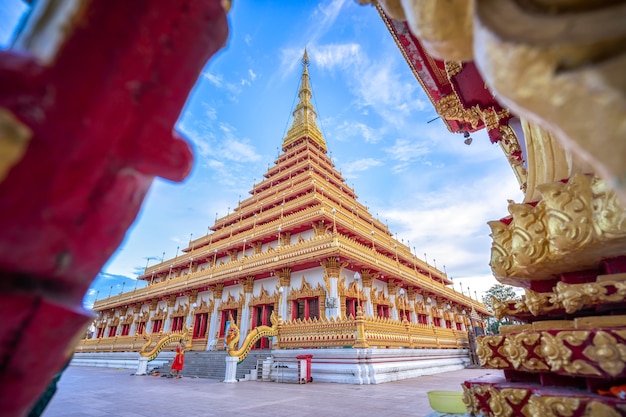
(204, 307)
(137, 308)
(608, 352)
(263, 298)
(469, 400)
(379, 297)
(574, 227)
(171, 300)
(499, 400)
(451, 108)
(193, 296)
(453, 68)
(284, 277)
(258, 247)
(231, 303)
(535, 67)
(160, 314)
(306, 291)
(485, 353)
(320, 228)
(596, 408)
(128, 319)
(333, 267)
(180, 311)
(550, 406)
(515, 349)
(217, 290)
(541, 302)
(143, 317)
(501, 261)
(248, 284)
(367, 277)
(14, 139)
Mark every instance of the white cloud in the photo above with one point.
(360, 165)
(251, 74)
(404, 150)
(348, 129)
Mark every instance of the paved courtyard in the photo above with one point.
(106, 392)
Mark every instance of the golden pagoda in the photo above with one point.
(298, 266)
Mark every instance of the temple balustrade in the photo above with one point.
(311, 333)
(322, 246)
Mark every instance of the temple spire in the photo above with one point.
(304, 114)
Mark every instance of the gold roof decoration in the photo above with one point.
(304, 115)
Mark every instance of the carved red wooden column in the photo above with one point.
(102, 115)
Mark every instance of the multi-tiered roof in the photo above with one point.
(302, 192)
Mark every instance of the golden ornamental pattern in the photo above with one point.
(576, 352)
(573, 227)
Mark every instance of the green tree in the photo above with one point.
(502, 293)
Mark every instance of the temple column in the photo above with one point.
(332, 271)
(193, 298)
(368, 306)
(136, 310)
(284, 282)
(167, 323)
(392, 290)
(153, 306)
(214, 332)
(248, 287)
(410, 293)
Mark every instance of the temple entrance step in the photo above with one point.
(212, 364)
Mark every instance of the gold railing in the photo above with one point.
(132, 343)
(295, 334)
(378, 332)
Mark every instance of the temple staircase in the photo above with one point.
(212, 364)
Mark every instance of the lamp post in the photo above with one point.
(190, 265)
(214, 258)
(170, 273)
(243, 253)
(278, 242)
(334, 211)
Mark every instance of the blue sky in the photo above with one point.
(432, 189)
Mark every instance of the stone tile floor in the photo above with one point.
(105, 392)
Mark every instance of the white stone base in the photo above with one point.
(367, 366)
(123, 360)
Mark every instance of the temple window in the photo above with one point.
(157, 325)
(200, 325)
(141, 327)
(382, 311)
(422, 319)
(100, 332)
(112, 331)
(177, 323)
(261, 317)
(125, 329)
(305, 308)
(225, 318)
(351, 307)
(458, 326)
(404, 314)
(448, 324)
(437, 321)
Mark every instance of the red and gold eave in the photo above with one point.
(457, 90)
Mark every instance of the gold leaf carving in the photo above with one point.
(548, 406)
(607, 352)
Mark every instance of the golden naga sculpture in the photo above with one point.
(557, 64)
(170, 338)
(255, 335)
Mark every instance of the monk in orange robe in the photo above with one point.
(179, 360)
